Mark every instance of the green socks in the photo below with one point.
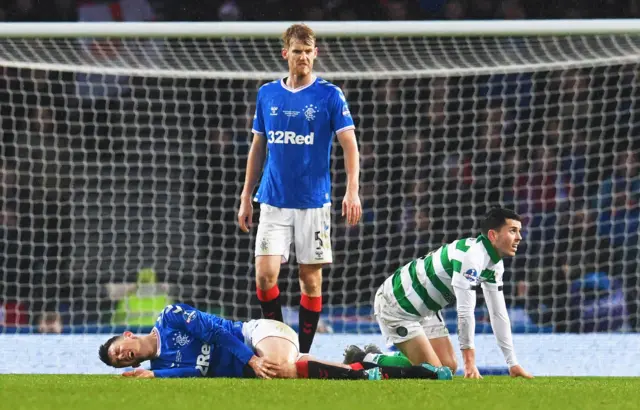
(396, 359)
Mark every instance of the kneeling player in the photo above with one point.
(186, 342)
(407, 304)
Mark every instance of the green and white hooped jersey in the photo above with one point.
(426, 284)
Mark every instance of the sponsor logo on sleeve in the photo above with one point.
(189, 316)
(471, 275)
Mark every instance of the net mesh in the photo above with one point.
(123, 161)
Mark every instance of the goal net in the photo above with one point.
(125, 145)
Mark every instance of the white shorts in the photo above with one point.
(398, 326)
(309, 229)
(254, 331)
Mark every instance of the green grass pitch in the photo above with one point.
(115, 392)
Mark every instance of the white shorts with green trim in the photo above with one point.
(398, 326)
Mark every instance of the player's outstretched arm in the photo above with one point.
(139, 373)
(501, 326)
(470, 369)
(351, 205)
(465, 306)
(465, 282)
(175, 373)
(254, 166)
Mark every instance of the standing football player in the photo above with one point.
(293, 128)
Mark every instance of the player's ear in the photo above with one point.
(285, 53)
(127, 334)
(492, 235)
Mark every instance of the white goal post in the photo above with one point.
(124, 146)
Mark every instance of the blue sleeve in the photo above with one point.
(339, 112)
(177, 372)
(258, 117)
(206, 328)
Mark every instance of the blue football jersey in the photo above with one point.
(299, 126)
(197, 344)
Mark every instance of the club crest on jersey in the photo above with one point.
(180, 339)
(310, 112)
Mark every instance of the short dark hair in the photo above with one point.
(103, 351)
(496, 218)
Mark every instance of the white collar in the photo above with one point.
(295, 90)
(159, 346)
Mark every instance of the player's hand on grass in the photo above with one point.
(263, 367)
(472, 372)
(245, 214)
(518, 371)
(139, 374)
(352, 208)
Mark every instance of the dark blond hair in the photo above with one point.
(299, 32)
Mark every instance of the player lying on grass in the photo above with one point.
(186, 342)
(407, 304)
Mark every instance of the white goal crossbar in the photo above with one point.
(566, 44)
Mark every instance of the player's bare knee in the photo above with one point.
(311, 288)
(287, 371)
(450, 362)
(266, 276)
(265, 281)
(277, 349)
(311, 279)
(268, 269)
(444, 350)
(419, 350)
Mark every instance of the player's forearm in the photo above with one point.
(465, 306)
(351, 159)
(254, 166)
(501, 325)
(177, 372)
(352, 167)
(469, 357)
